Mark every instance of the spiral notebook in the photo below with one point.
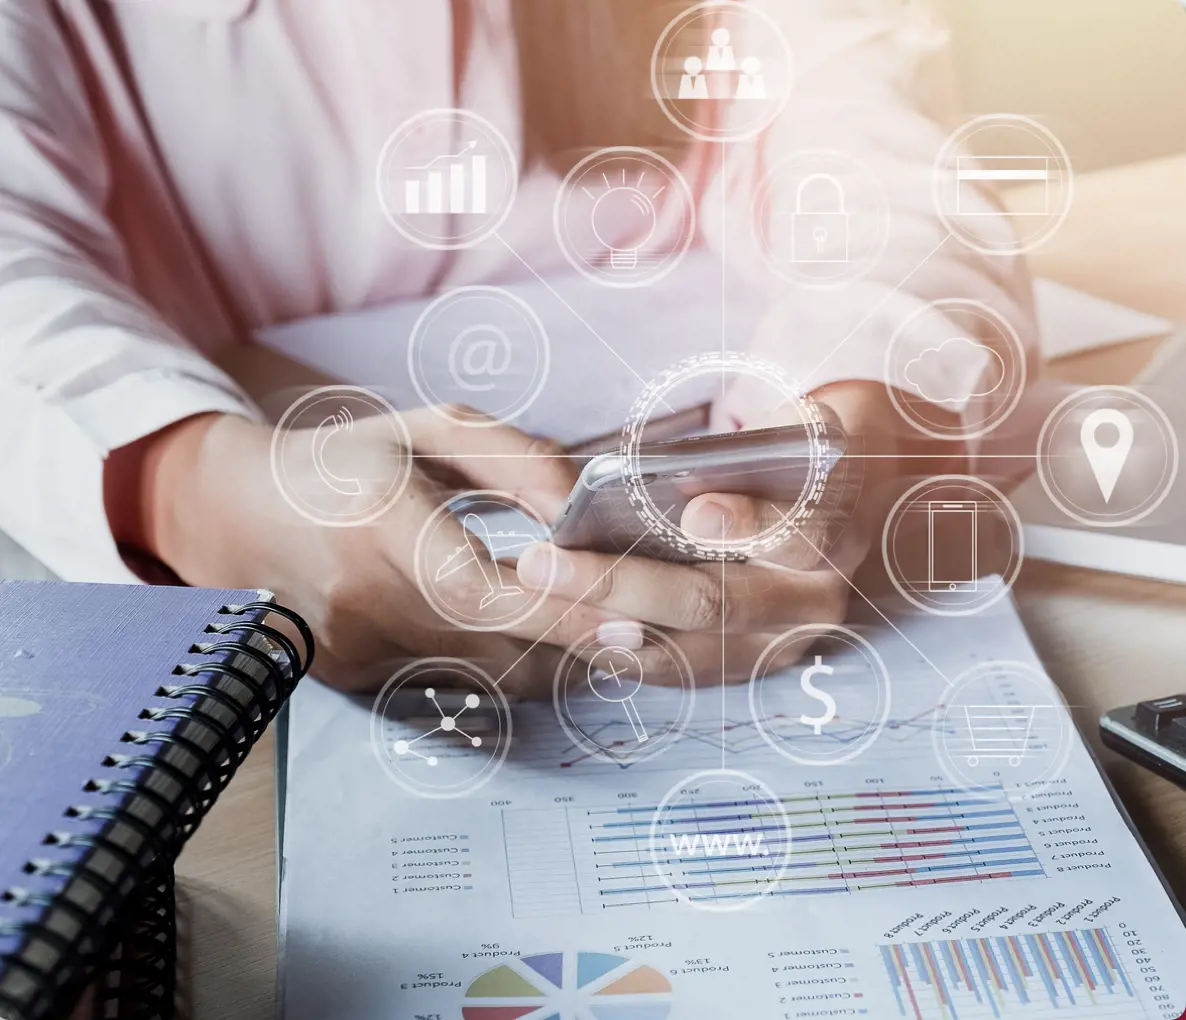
(124, 712)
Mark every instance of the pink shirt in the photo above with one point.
(179, 173)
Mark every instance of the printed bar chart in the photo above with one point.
(840, 843)
(1056, 974)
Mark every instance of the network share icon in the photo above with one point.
(441, 728)
(448, 724)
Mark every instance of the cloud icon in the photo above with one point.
(936, 366)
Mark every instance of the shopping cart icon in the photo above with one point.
(1000, 732)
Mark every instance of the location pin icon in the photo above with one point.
(1106, 461)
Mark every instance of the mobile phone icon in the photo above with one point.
(952, 554)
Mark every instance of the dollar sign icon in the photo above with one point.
(817, 722)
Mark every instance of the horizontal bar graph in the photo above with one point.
(840, 843)
(1064, 973)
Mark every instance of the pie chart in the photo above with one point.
(569, 986)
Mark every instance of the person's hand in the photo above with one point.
(724, 615)
(214, 514)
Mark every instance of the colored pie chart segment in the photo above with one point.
(569, 986)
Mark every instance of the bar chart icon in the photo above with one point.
(448, 184)
(1035, 171)
(446, 179)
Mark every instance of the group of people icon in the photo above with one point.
(719, 75)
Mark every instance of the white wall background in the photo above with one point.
(1108, 76)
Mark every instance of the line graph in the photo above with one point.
(589, 860)
(736, 737)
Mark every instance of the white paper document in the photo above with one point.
(1072, 322)
(907, 882)
(604, 353)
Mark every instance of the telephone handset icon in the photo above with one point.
(340, 421)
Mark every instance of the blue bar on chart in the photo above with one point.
(841, 843)
(1065, 973)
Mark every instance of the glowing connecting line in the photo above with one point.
(448, 724)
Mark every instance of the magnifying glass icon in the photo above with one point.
(615, 676)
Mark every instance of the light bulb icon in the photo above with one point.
(624, 205)
(624, 216)
(624, 210)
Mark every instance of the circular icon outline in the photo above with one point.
(692, 129)
(499, 143)
(451, 411)
(858, 642)
(343, 420)
(1008, 514)
(764, 192)
(452, 508)
(1019, 367)
(481, 679)
(653, 746)
(1165, 426)
(951, 148)
(1016, 669)
(674, 176)
(743, 780)
(635, 473)
(635, 683)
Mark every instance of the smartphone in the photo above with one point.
(773, 464)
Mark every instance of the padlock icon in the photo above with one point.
(820, 236)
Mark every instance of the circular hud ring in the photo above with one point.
(653, 403)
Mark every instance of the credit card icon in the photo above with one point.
(974, 172)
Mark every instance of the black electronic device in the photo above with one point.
(1152, 733)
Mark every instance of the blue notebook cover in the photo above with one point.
(89, 710)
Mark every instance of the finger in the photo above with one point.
(705, 661)
(718, 597)
(632, 587)
(450, 565)
(531, 674)
(734, 661)
(497, 457)
(733, 520)
(516, 668)
(455, 574)
(652, 661)
(560, 623)
(367, 674)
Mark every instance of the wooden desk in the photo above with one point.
(1111, 640)
(1106, 640)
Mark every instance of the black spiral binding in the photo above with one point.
(112, 925)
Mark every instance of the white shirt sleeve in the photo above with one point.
(86, 366)
(870, 83)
